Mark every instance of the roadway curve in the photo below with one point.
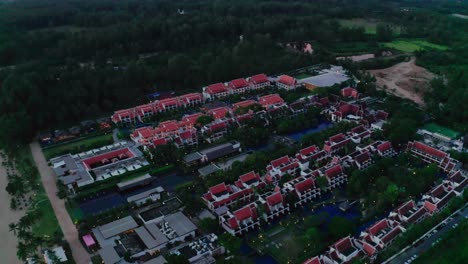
(80, 255)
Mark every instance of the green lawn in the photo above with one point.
(47, 224)
(369, 25)
(434, 128)
(413, 45)
(302, 76)
(78, 146)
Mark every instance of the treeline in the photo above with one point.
(64, 61)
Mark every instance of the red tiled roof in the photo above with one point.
(384, 146)
(343, 244)
(429, 150)
(159, 141)
(271, 99)
(278, 162)
(402, 210)
(304, 185)
(169, 125)
(390, 235)
(259, 78)
(307, 151)
(324, 101)
(219, 112)
(347, 109)
(337, 138)
(348, 91)
(90, 162)
(334, 171)
(216, 88)
(363, 157)
(314, 260)
(370, 250)
(191, 97)
(439, 191)
(238, 83)
(169, 102)
(246, 103)
(430, 206)
(456, 177)
(375, 229)
(191, 119)
(144, 108)
(244, 213)
(382, 115)
(274, 199)
(217, 126)
(288, 80)
(145, 132)
(249, 176)
(185, 135)
(218, 188)
(233, 223)
(358, 129)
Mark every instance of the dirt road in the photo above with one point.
(80, 255)
(405, 79)
(7, 216)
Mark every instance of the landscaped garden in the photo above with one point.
(78, 145)
(408, 45)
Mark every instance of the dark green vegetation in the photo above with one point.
(390, 182)
(62, 61)
(78, 146)
(39, 226)
(416, 231)
(453, 248)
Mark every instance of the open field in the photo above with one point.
(434, 128)
(78, 146)
(413, 45)
(405, 79)
(369, 25)
(47, 224)
(302, 76)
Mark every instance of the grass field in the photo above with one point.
(47, 224)
(434, 128)
(302, 76)
(413, 45)
(368, 25)
(78, 146)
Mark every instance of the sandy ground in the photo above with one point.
(405, 79)
(7, 216)
(357, 58)
(80, 255)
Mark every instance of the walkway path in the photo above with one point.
(80, 255)
(7, 216)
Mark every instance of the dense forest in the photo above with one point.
(62, 61)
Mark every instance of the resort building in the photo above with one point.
(431, 155)
(241, 221)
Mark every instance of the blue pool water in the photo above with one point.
(298, 135)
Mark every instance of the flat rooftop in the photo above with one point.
(118, 226)
(326, 79)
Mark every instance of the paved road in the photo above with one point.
(80, 255)
(422, 247)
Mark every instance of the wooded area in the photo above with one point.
(64, 61)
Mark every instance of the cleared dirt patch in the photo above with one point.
(405, 79)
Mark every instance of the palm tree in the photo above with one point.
(13, 228)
